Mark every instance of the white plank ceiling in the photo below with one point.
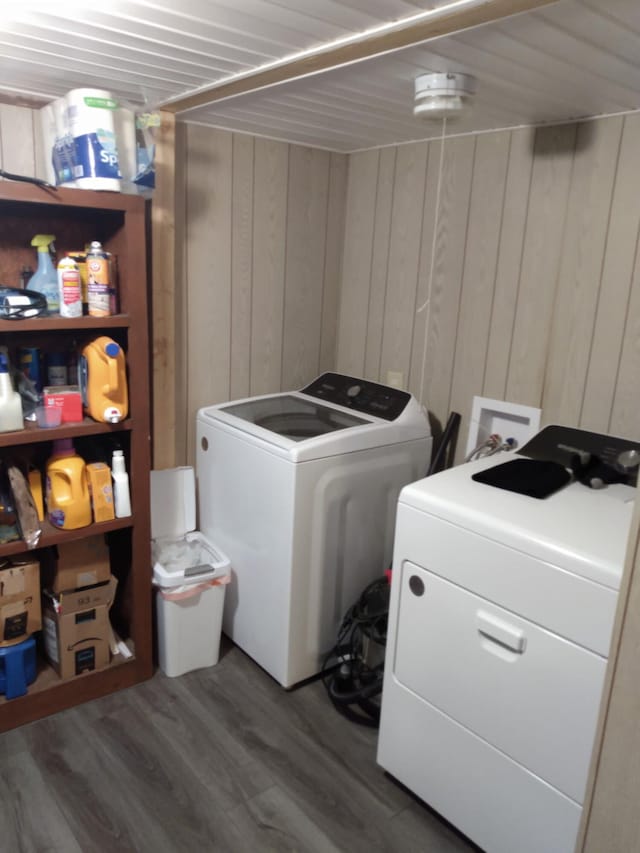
(572, 59)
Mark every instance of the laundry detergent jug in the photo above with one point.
(67, 493)
(103, 379)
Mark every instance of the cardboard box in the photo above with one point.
(76, 628)
(20, 613)
(79, 564)
(68, 398)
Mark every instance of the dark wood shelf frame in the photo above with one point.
(120, 223)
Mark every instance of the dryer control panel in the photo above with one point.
(619, 456)
(363, 396)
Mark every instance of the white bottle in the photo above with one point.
(69, 288)
(120, 477)
(10, 402)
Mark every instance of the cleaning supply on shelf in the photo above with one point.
(101, 491)
(57, 369)
(26, 509)
(98, 284)
(67, 493)
(121, 494)
(69, 288)
(45, 279)
(103, 379)
(29, 359)
(10, 403)
(35, 485)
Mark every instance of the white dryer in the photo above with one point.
(501, 614)
(299, 490)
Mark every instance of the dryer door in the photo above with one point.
(528, 692)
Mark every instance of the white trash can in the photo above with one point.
(190, 574)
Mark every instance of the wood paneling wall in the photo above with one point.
(259, 229)
(533, 293)
(19, 140)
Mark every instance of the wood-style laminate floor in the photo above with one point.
(222, 759)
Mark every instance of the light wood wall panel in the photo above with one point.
(404, 253)
(580, 272)
(534, 281)
(480, 265)
(262, 229)
(208, 177)
(308, 193)
(333, 261)
(18, 135)
(512, 231)
(546, 219)
(357, 261)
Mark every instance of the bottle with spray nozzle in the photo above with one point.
(45, 279)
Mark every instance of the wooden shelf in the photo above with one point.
(120, 223)
(32, 433)
(54, 536)
(63, 324)
(49, 692)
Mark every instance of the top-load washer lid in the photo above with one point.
(579, 529)
(334, 414)
(292, 416)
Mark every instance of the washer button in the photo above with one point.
(353, 391)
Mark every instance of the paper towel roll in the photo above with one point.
(90, 124)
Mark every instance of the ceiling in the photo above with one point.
(570, 59)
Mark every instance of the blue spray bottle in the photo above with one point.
(45, 279)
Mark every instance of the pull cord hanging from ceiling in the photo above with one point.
(426, 305)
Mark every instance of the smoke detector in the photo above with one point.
(443, 95)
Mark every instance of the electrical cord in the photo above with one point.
(348, 679)
(26, 179)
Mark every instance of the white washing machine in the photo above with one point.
(501, 614)
(299, 490)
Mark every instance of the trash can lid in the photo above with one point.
(173, 502)
(190, 559)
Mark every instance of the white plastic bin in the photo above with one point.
(190, 574)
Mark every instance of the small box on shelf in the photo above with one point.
(20, 614)
(77, 630)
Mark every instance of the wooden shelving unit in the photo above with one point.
(119, 222)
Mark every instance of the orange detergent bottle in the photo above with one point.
(103, 377)
(68, 500)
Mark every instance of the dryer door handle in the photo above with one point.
(501, 632)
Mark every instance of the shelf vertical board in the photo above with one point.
(120, 223)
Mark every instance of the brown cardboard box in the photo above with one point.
(76, 628)
(79, 564)
(20, 613)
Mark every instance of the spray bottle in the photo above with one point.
(45, 279)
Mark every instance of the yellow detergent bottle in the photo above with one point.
(103, 376)
(68, 501)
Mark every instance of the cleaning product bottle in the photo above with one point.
(45, 279)
(98, 284)
(67, 493)
(121, 494)
(69, 288)
(10, 402)
(103, 379)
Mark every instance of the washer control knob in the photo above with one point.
(353, 391)
(628, 460)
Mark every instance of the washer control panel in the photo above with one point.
(369, 398)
